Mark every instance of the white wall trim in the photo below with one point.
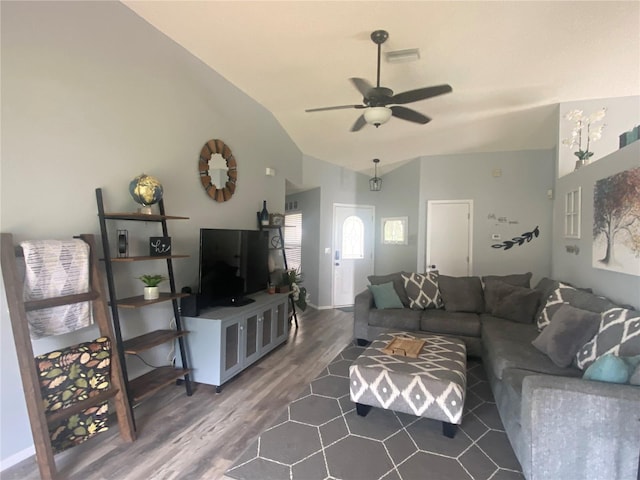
(16, 458)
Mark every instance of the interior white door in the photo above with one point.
(353, 234)
(449, 236)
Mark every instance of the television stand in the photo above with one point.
(223, 341)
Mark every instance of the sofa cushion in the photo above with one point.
(490, 282)
(385, 296)
(461, 294)
(569, 330)
(403, 319)
(578, 298)
(515, 303)
(453, 323)
(507, 344)
(618, 333)
(422, 290)
(398, 284)
(635, 376)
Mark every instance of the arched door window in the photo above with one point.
(352, 238)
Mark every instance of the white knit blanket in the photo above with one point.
(53, 269)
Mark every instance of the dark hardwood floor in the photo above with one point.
(199, 437)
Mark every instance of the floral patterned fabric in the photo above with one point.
(70, 375)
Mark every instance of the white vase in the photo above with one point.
(151, 293)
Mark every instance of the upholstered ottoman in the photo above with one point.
(433, 385)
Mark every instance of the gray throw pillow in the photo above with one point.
(569, 330)
(519, 280)
(422, 290)
(398, 284)
(518, 304)
(618, 333)
(461, 294)
(545, 286)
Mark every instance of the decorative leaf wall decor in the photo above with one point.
(525, 237)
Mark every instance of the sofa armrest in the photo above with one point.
(574, 428)
(363, 303)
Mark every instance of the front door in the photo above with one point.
(449, 236)
(353, 235)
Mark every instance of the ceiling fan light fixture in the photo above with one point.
(377, 115)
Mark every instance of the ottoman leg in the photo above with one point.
(449, 429)
(362, 409)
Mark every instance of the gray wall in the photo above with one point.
(91, 97)
(398, 198)
(519, 194)
(578, 269)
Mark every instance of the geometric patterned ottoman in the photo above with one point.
(432, 385)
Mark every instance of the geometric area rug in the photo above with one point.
(320, 437)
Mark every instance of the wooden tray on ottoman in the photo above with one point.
(404, 346)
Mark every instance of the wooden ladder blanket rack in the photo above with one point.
(42, 420)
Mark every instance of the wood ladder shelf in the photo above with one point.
(278, 230)
(144, 386)
(42, 420)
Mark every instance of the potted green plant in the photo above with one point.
(151, 291)
(293, 278)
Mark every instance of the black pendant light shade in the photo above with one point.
(375, 183)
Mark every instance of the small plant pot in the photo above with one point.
(151, 293)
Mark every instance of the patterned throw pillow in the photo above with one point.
(619, 334)
(422, 290)
(556, 299)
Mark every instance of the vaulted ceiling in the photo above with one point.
(509, 63)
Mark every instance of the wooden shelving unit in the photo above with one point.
(44, 420)
(278, 230)
(151, 382)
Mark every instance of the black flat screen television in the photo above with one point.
(233, 264)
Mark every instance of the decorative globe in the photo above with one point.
(145, 190)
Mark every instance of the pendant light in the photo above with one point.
(375, 183)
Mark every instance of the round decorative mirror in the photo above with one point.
(217, 165)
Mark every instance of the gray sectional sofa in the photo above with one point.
(560, 425)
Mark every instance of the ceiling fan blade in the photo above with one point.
(362, 85)
(420, 94)
(360, 122)
(410, 115)
(339, 107)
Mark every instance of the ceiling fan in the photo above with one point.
(377, 100)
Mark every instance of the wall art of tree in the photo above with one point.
(616, 222)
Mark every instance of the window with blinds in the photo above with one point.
(293, 239)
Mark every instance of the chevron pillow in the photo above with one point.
(422, 290)
(619, 334)
(556, 299)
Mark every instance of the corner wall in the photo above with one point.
(92, 96)
(578, 269)
(519, 194)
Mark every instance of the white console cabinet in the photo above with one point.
(223, 341)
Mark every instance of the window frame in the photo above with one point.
(572, 213)
(405, 227)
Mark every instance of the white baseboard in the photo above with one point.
(17, 458)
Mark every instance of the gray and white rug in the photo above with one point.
(321, 437)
